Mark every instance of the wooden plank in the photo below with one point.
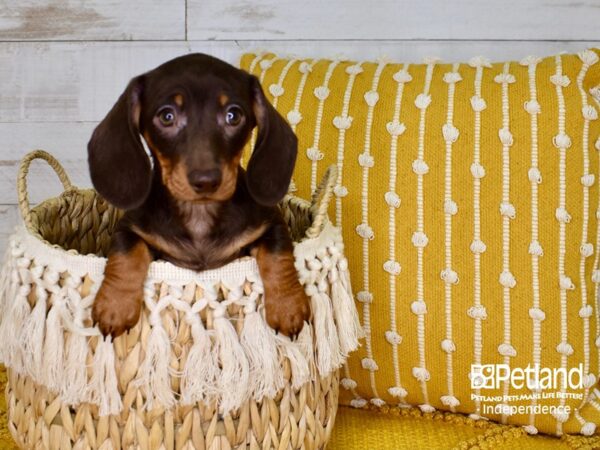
(65, 141)
(49, 82)
(393, 19)
(45, 82)
(25, 20)
(42, 182)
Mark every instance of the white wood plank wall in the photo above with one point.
(63, 63)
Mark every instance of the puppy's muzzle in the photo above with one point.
(205, 181)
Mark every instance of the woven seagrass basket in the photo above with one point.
(201, 370)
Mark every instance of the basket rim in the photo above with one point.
(62, 260)
(72, 261)
(33, 261)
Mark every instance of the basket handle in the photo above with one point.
(22, 193)
(320, 202)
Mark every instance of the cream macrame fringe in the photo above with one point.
(44, 336)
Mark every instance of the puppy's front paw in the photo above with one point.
(287, 311)
(116, 311)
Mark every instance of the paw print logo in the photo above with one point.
(482, 376)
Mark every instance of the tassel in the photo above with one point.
(327, 343)
(298, 354)
(346, 318)
(53, 354)
(8, 295)
(154, 373)
(234, 364)
(10, 330)
(8, 303)
(259, 344)
(12, 324)
(102, 389)
(200, 376)
(9, 281)
(74, 389)
(5, 280)
(305, 342)
(32, 337)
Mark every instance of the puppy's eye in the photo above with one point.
(234, 115)
(166, 117)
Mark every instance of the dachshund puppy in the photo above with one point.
(190, 202)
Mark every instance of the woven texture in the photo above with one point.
(201, 369)
(357, 430)
(467, 195)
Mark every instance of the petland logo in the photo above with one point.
(536, 378)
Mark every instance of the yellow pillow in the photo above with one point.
(468, 200)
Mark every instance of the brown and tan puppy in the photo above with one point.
(195, 206)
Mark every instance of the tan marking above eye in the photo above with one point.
(178, 99)
(223, 99)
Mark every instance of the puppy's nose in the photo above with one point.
(205, 181)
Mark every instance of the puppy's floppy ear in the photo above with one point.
(270, 168)
(119, 167)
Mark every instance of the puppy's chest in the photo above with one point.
(200, 224)
(212, 248)
(205, 241)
